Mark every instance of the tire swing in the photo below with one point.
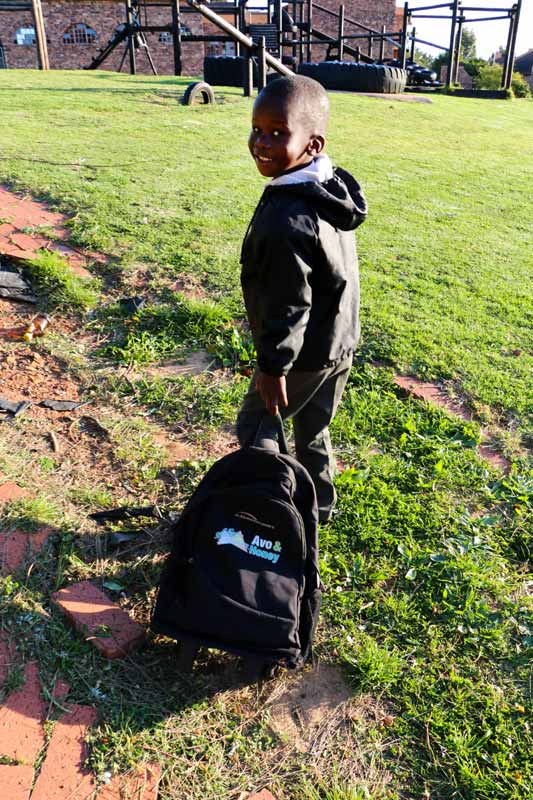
(198, 92)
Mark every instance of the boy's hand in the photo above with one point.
(273, 391)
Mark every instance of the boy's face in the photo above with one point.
(279, 140)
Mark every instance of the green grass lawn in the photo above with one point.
(426, 564)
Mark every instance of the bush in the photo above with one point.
(488, 77)
(520, 86)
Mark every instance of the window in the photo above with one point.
(25, 36)
(79, 34)
(165, 37)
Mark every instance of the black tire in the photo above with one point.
(226, 70)
(353, 77)
(200, 90)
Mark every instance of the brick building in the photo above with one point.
(77, 29)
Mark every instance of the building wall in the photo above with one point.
(103, 16)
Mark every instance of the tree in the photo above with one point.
(468, 45)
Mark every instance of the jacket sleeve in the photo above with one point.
(287, 263)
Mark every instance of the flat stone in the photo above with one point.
(107, 626)
(26, 242)
(15, 781)
(63, 776)
(10, 491)
(17, 546)
(21, 719)
(141, 784)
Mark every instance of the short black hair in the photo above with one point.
(309, 95)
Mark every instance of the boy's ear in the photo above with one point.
(316, 145)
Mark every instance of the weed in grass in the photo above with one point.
(60, 288)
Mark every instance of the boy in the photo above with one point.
(300, 276)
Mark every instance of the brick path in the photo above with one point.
(21, 213)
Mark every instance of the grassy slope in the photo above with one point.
(447, 289)
(426, 605)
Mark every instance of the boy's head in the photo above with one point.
(289, 122)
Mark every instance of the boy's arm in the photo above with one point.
(287, 265)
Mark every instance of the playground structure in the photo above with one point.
(285, 36)
(284, 41)
(289, 37)
(34, 6)
(458, 18)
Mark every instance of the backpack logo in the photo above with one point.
(261, 548)
(231, 536)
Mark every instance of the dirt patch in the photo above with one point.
(28, 375)
(194, 364)
(308, 703)
(434, 395)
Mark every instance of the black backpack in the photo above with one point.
(243, 572)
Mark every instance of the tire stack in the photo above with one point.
(352, 77)
(225, 70)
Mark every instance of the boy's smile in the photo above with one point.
(280, 140)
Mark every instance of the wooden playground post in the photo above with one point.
(451, 50)
(40, 35)
(176, 36)
(413, 45)
(248, 66)
(309, 29)
(458, 43)
(341, 32)
(510, 66)
(261, 63)
(404, 34)
(382, 44)
(131, 42)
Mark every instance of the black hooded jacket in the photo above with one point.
(300, 276)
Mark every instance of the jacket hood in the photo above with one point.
(339, 200)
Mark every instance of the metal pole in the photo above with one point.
(513, 45)
(261, 64)
(382, 45)
(451, 49)
(176, 36)
(458, 42)
(341, 32)
(404, 34)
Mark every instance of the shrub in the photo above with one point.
(488, 77)
(520, 86)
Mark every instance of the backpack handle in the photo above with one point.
(271, 435)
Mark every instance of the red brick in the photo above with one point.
(60, 690)
(140, 784)
(21, 720)
(264, 794)
(6, 230)
(16, 781)
(26, 242)
(63, 776)
(10, 491)
(17, 546)
(89, 609)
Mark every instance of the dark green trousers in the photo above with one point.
(313, 400)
